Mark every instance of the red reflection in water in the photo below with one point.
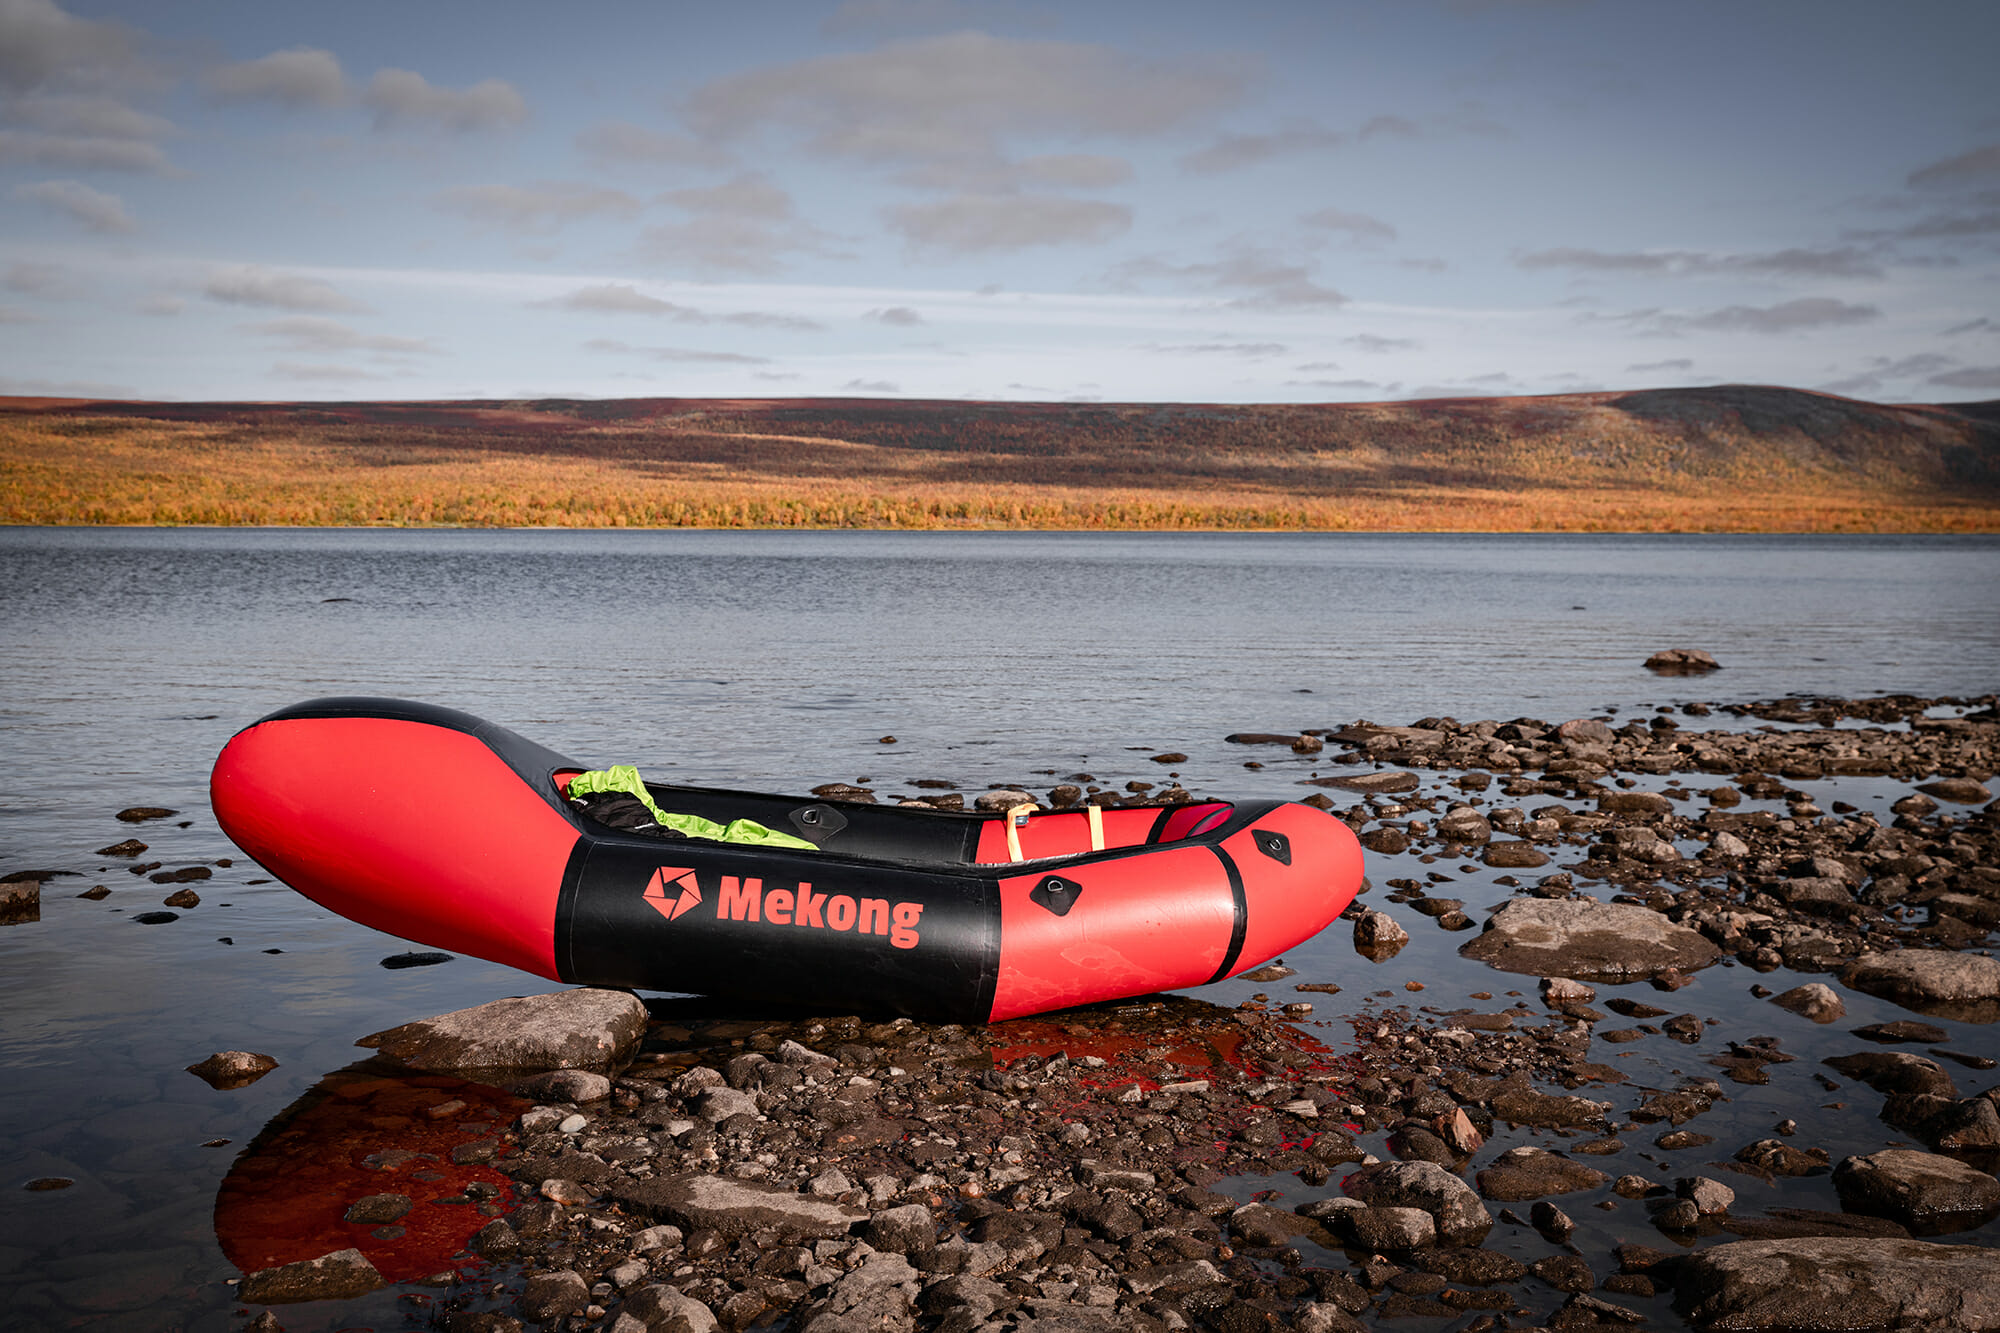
(360, 1132)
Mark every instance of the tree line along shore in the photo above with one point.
(1730, 458)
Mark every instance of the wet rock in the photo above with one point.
(574, 1029)
(904, 1230)
(1781, 1159)
(1931, 981)
(1927, 1192)
(1682, 662)
(1564, 1272)
(734, 1208)
(1387, 841)
(1814, 1000)
(1513, 855)
(139, 814)
(547, 1297)
(1840, 1282)
(1896, 1071)
(1374, 783)
(1963, 791)
(563, 1085)
(1460, 1216)
(427, 958)
(1516, 1101)
(661, 1305)
(1554, 1224)
(227, 1070)
(1466, 825)
(1378, 932)
(341, 1275)
(1390, 1230)
(185, 899)
(374, 1209)
(1001, 800)
(128, 848)
(1708, 1196)
(20, 902)
(1533, 1173)
(1635, 803)
(155, 918)
(1588, 940)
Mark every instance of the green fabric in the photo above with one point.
(625, 778)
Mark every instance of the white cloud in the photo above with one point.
(1215, 349)
(742, 225)
(1844, 262)
(692, 355)
(616, 298)
(96, 210)
(961, 96)
(302, 76)
(52, 282)
(77, 153)
(621, 143)
(254, 285)
(1977, 167)
(308, 333)
(1786, 317)
(900, 315)
(40, 45)
(1262, 279)
(1972, 377)
(321, 372)
(1231, 151)
(871, 386)
(401, 97)
(1358, 227)
(538, 209)
(975, 223)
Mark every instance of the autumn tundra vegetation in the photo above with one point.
(1729, 458)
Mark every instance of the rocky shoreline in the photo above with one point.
(1303, 1161)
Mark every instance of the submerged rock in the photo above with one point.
(1932, 981)
(1584, 939)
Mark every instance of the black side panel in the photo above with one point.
(695, 916)
(852, 828)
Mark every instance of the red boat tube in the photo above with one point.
(435, 826)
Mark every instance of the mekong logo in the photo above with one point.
(672, 891)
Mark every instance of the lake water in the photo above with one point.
(766, 660)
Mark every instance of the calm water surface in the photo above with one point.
(776, 661)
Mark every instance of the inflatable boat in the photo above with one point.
(435, 826)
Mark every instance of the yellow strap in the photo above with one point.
(1096, 815)
(1015, 818)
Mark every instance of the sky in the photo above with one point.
(1101, 201)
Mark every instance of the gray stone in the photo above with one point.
(1391, 1229)
(573, 1029)
(878, 1296)
(1708, 1196)
(1001, 799)
(1513, 855)
(1840, 1282)
(1814, 1000)
(718, 1104)
(1377, 932)
(1532, 1173)
(903, 1230)
(659, 1305)
(564, 1085)
(1927, 1192)
(375, 1209)
(339, 1276)
(1945, 984)
(1682, 662)
(1461, 1218)
(1964, 791)
(1383, 781)
(228, 1070)
(1587, 940)
(547, 1297)
(736, 1208)
(20, 901)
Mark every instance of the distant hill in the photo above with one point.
(1727, 457)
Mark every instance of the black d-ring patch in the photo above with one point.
(817, 823)
(1056, 893)
(1273, 844)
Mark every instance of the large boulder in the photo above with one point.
(1460, 1216)
(1587, 940)
(1927, 1192)
(574, 1029)
(1964, 986)
(1840, 1282)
